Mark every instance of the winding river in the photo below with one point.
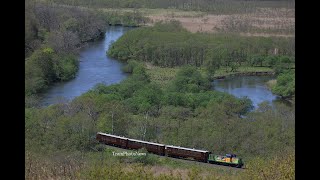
(95, 67)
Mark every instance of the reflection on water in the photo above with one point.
(95, 67)
(254, 87)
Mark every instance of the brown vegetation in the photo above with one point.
(263, 22)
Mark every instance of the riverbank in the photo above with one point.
(283, 86)
(58, 68)
(271, 83)
(163, 76)
(52, 45)
(255, 73)
(244, 71)
(94, 68)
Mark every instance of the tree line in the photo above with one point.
(167, 44)
(63, 28)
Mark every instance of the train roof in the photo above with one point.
(189, 149)
(105, 134)
(146, 142)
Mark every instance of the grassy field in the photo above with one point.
(222, 71)
(178, 168)
(95, 164)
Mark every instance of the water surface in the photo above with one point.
(254, 87)
(94, 67)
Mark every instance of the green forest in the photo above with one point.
(181, 110)
(168, 44)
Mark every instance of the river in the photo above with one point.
(94, 67)
(254, 87)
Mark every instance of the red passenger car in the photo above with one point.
(181, 152)
(112, 140)
(150, 146)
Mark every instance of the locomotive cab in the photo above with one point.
(228, 159)
(231, 155)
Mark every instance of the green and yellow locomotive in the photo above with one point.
(228, 159)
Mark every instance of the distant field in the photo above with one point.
(158, 12)
(258, 22)
(263, 22)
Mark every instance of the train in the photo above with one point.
(170, 150)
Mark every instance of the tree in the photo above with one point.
(189, 79)
(64, 41)
(256, 60)
(271, 61)
(65, 67)
(114, 119)
(34, 78)
(146, 101)
(39, 70)
(213, 61)
(285, 86)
